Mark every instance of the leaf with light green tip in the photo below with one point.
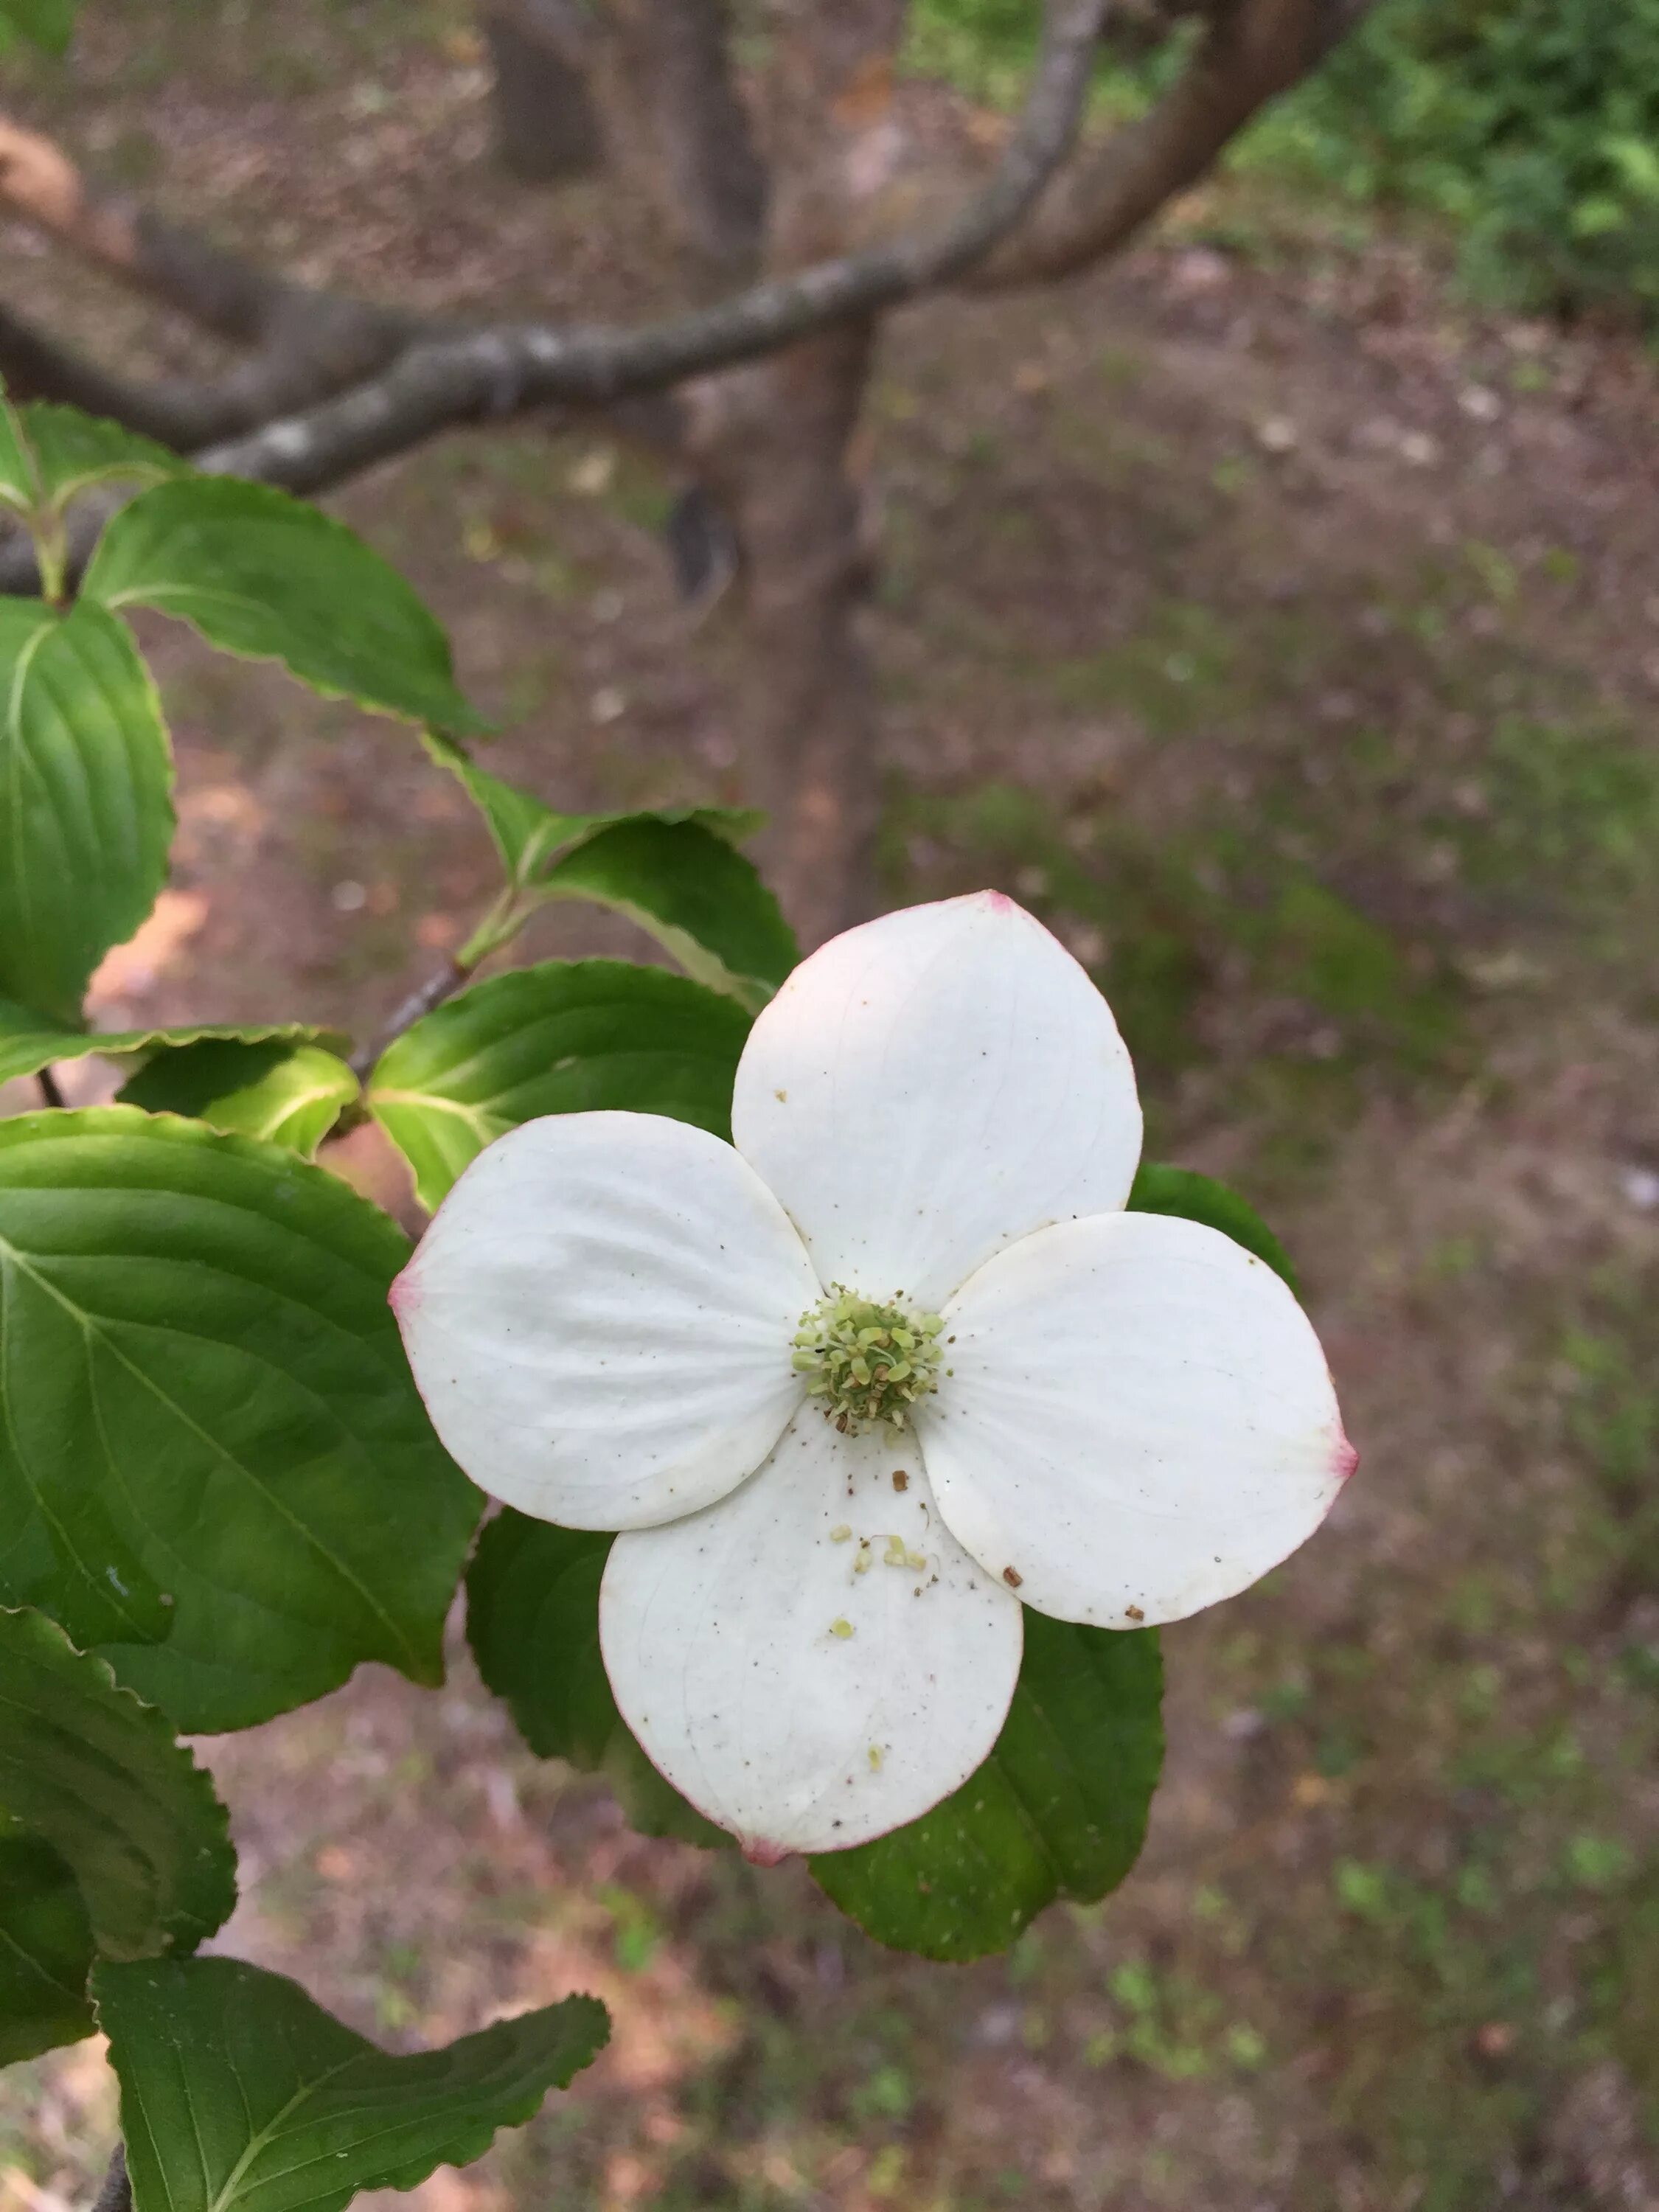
(1200, 1198)
(29, 1043)
(702, 902)
(290, 1094)
(566, 1037)
(260, 574)
(96, 1775)
(1059, 1809)
(45, 1951)
(214, 1467)
(86, 805)
(531, 836)
(532, 1620)
(237, 2090)
(74, 450)
(673, 871)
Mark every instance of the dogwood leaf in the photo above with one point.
(86, 807)
(238, 2090)
(260, 574)
(29, 1041)
(45, 1951)
(1059, 1809)
(89, 1771)
(291, 1094)
(74, 450)
(566, 1037)
(674, 873)
(215, 1467)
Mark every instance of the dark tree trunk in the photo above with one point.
(546, 126)
(678, 119)
(809, 719)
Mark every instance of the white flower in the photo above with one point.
(810, 1619)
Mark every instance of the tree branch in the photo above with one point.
(1251, 51)
(309, 343)
(438, 987)
(512, 369)
(435, 383)
(233, 298)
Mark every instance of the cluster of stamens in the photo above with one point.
(867, 1363)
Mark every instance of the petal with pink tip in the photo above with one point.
(1139, 1420)
(929, 1087)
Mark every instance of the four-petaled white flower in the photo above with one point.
(858, 1386)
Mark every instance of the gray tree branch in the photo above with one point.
(1250, 52)
(436, 383)
(305, 343)
(1039, 217)
(514, 368)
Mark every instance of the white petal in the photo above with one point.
(1139, 1421)
(726, 1639)
(599, 1319)
(931, 1086)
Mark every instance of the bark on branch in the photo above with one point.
(1250, 52)
(515, 367)
(305, 343)
(389, 384)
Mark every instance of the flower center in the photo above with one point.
(867, 1364)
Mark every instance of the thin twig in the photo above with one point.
(50, 1093)
(449, 979)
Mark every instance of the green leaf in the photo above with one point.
(290, 1094)
(46, 1952)
(97, 1775)
(237, 2089)
(73, 451)
(674, 873)
(18, 486)
(260, 574)
(48, 24)
(702, 902)
(531, 836)
(566, 1037)
(28, 1043)
(86, 809)
(1200, 1198)
(532, 1620)
(1059, 1809)
(214, 1465)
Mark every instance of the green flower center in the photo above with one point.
(867, 1365)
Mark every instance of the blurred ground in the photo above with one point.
(1291, 643)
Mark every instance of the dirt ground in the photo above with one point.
(1288, 638)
